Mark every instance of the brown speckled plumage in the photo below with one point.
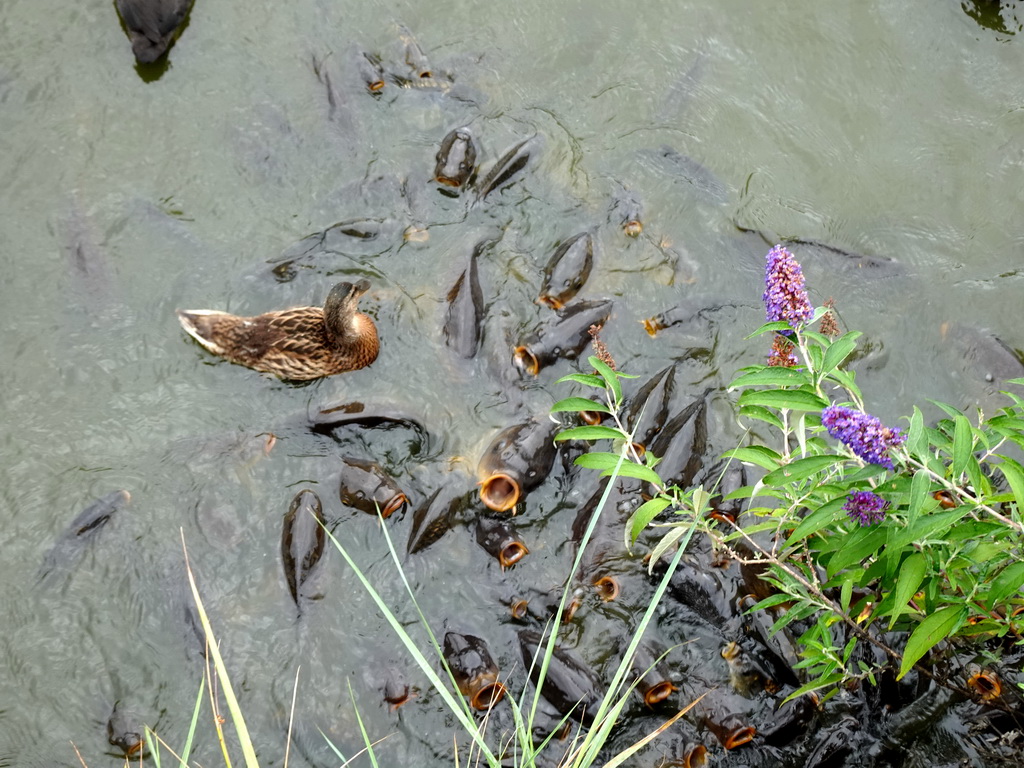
(298, 344)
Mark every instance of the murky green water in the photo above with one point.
(890, 129)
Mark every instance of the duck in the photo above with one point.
(152, 25)
(298, 344)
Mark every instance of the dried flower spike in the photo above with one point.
(600, 349)
(785, 297)
(862, 433)
(828, 326)
(782, 353)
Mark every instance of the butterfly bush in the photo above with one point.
(862, 433)
(785, 297)
(865, 507)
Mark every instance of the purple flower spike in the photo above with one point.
(866, 507)
(785, 297)
(863, 434)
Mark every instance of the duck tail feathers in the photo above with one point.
(198, 323)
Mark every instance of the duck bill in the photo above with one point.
(526, 360)
(512, 553)
(500, 492)
(738, 737)
(632, 228)
(593, 418)
(448, 181)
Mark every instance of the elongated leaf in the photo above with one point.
(822, 682)
(579, 404)
(820, 518)
(838, 351)
(917, 444)
(770, 377)
(755, 454)
(796, 400)
(648, 511)
(910, 577)
(919, 488)
(639, 471)
(583, 378)
(801, 469)
(861, 543)
(598, 460)
(927, 527)
(778, 325)
(935, 628)
(1015, 477)
(1009, 581)
(610, 379)
(962, 444)
(591, 433)
(761, 414)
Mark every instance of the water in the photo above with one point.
(890, 130)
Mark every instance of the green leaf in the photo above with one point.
(774, 327)
(910, 577)
(962, 445)
(1015, 477)
(919, 488)
(755, 454)
(583, 378)
(639, 471)
(839, 350)
(579, 404)
(761, 414)
(861, 543)
(794, 399)
(770, 377)
(927, 527)
(610, 379)
(801, 469)
(935, 628)
(1009, 580)
(599, 460)
(845, 593)
(916, 442)
(591, 433)
(820, 518)
(648, 511)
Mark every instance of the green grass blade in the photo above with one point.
(248, 752)
(458, 708)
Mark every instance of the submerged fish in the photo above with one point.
(517, 461)
(567, 270)
(367, 487)
(83, 527)
(505, 169)
(563, 336)
(456, 159)
(464, 314)
(302, 540)
(679, 166)
(501, 540)
(570, 685)
(474, 670)
(125, 731)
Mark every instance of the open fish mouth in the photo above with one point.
(500, 492)
(526, 360)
